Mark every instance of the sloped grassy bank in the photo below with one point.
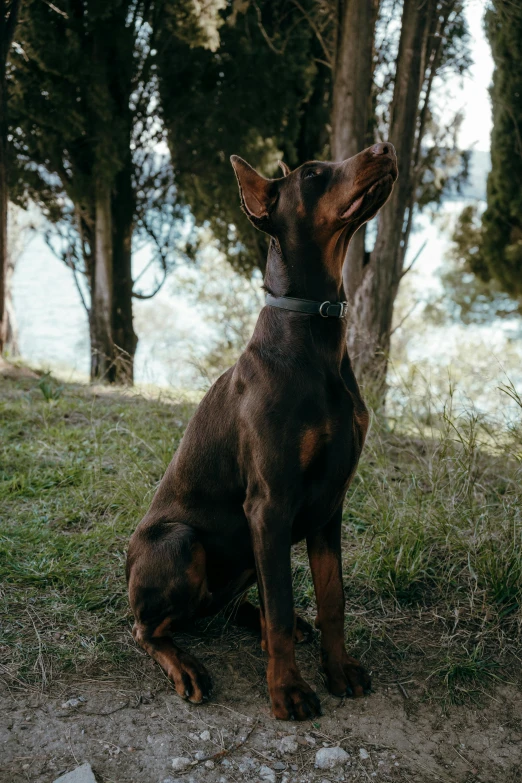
(432, 538)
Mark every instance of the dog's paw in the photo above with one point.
(191, 680)
(294, 701)
(346, 676)
(304, 632)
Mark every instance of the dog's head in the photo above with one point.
(319, 202)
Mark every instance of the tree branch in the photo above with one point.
(137, 295)
(10, 25)
(415, 259)
(327, 54)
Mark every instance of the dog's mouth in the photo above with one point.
(371, 199)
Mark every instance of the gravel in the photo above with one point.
(328, 758)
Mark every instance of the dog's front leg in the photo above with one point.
(291, 697)
(345, 675)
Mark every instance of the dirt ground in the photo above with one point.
(131, 727)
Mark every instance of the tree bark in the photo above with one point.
(11, 330)
(8, 20)
(124, 337)
(352, 77)
(352, 107)
(3, 210)
(102, 346)
(373, 298)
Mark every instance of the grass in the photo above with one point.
(77, 471)
(432, 537)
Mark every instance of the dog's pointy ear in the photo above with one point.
(284, 168)
(258, 194)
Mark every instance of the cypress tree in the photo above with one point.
(501, 252)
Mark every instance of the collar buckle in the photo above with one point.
(341, 308)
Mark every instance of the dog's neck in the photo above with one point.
(306, 271)
(301, 274)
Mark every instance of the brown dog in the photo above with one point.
(268, 456)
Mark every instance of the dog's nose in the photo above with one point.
(384, 148)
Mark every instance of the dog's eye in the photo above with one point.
(311, 173)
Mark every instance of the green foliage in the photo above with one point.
(245, 98)
(501, 258)
(49, 388)
(68, 111)
(84, 115)
(228, 304)
(476, 298)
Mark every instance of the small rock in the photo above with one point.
(247, 763)
(205, 736)
(328, 758)
(265, 773)
(74, 702)
(83, 774)
(200, 755)
(279, 766)
(209, 764)
(363, 753)
(288, 744)
(226, 763)
(294, 767)
(180, 762)
(310, 740)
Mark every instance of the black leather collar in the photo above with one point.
(309, 306)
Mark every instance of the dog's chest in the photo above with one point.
(328, 453)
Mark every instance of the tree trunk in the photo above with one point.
(102, 347)
(8, 20)
(11, 329)
(3, 210)
(124, 337)
(352, 77)
(373, 299)
(352, 107)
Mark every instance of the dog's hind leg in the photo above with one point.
(166, 571)
(249, 616)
